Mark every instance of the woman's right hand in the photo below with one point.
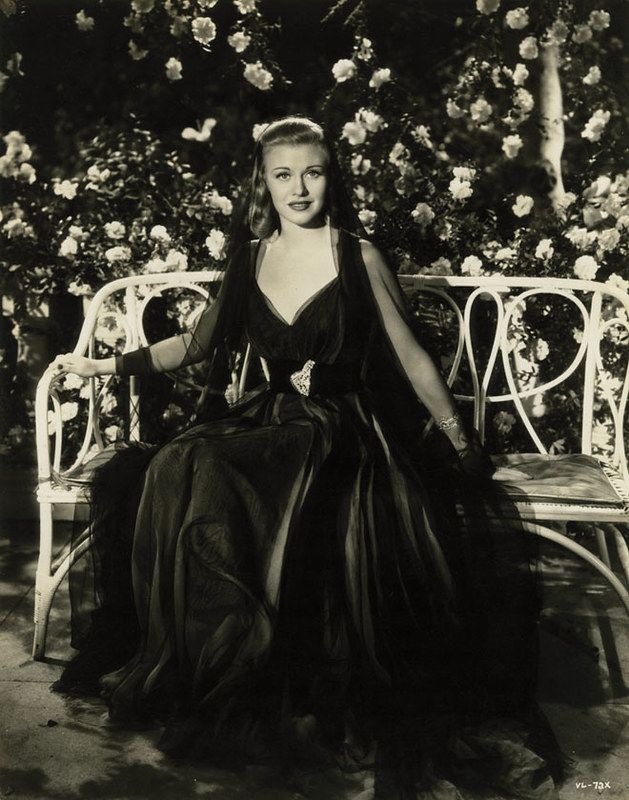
(78, 365)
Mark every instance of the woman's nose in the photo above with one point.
(300, 186)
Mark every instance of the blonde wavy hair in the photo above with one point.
(290, 130)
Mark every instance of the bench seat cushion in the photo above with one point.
(572, 479)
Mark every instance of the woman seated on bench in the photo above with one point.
(288, 581)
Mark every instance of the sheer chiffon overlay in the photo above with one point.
(299, 581)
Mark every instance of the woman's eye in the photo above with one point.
(315, 173)
(282, 175)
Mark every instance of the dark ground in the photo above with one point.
(53, 747)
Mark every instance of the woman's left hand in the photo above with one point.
(474, 460)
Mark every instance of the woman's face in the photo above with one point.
(297, 179)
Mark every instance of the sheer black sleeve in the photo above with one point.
(174, 352)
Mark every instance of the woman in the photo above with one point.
(303, 588)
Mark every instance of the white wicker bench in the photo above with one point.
(580, 486)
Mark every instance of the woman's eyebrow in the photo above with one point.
(310, 166)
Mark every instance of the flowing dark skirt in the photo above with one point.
(285, 585)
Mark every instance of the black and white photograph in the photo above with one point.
(314, 373)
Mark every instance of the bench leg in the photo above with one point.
(621, 545)
(574, 547)
(601, 541)
(44, 590)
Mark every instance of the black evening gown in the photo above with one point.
(286, 585)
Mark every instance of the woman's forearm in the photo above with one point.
(434, 393)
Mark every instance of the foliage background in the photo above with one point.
(128, 126)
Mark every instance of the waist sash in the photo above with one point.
(313, 378)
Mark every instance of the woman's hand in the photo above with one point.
(471, 457)
(78, 365)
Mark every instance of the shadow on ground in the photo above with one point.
(56, 747)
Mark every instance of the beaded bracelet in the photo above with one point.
(447, 423)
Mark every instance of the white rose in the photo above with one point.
(76, 232)
(517, 19)
(421, 134)
(398, 153)
(622, 222)
(215, 243)
(464, 173)
(203, 30)
(257, 129)
(453, 110)
(608, 239)
(136, 53)
(372, 121)
(68, 247)
(156, 265)
(487, 6)
(520, 74)
(558, 32)
(239, 41)
(528, 48)
(69, 411)
(593, 76)
(367, 218)
(472, 265)
(27, 173)
(459, 189)
(379, 77)
(355, 132)
(504, 254)
(142, 6)
(582, 34)
(544, 249)
(118, 253)
(599, 20)
(245, 6)
(112, 432)
(541, 349)
(201, 135)
(480, 110)
(343, 70)
(423, 214)
(173, 69)
(596, 125)
(72, 382)
(160, 234)
(79, 289)
(442, 266)
(503, 422)
(581, 238)
(523, 205)
(176, 260)
(83, 22)
(511, 145)
(539, 407)
(364, 51)
(618, 282)
(223, 204)
(524, 100)
(360, 165)
(258, 76)
(585, 268)
(114, 230)
(65, 189)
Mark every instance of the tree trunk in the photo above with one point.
(551, 118)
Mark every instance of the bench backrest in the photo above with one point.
(489, 344)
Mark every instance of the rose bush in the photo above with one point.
(450, 174)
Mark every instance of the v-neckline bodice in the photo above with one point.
(310, 300)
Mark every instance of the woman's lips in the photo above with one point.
(300, 206)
